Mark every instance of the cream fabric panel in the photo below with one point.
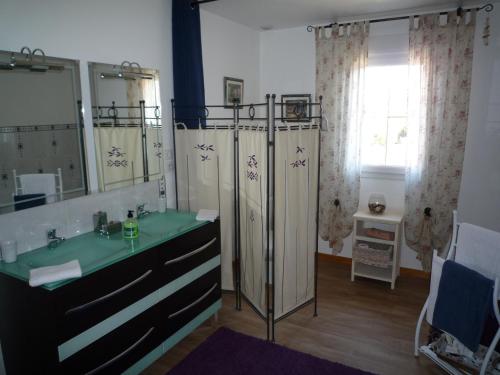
(154, 142)
(205, 179)
(296, 189)
(119, 157)
(253, 225)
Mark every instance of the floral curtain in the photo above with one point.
(341, 59)
(440, 59)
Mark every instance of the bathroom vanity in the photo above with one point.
(135, 300)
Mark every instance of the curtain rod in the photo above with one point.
(487, 7)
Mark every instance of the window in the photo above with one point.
(385, 117)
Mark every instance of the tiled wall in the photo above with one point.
(39, 149)
(73, 217)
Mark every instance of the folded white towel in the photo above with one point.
(50, 274)
(39, 183)
(207, 215)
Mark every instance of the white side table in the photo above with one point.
(390, 222)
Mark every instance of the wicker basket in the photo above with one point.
(373, 254)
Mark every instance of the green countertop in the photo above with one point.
(95, 252)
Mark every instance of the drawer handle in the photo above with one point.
(194, 303)
(194, 252)
(125, 352)
(109, 295)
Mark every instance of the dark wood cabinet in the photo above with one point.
(118, 350)
(89, 300)
(182, 254)
(188, 302)
(108, 321)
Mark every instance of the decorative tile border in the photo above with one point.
(36, 128)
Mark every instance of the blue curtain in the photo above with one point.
(189, 90)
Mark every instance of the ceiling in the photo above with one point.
(278, 14)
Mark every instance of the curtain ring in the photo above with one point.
(112, 112)
(133, 63)
(42, 53)
(27, 55)
(251, 112)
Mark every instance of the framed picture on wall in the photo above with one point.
(296, 107)
(233, 90)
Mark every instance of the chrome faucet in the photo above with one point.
(53, 240)
(141, 211)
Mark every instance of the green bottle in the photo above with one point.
(130, 227)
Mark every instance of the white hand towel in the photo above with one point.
(50, 274)
(207, 215)
(39, 183)
(479, 249)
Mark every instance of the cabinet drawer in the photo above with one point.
(184, 305)
(88, 301)
(118, 350)
(186, 252)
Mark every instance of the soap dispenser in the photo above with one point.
(130, 227)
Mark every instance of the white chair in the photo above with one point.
(478, 249)
(52, 194)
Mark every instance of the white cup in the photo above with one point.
(9, 251)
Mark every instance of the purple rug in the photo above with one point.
(230, 353)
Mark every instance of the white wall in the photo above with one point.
(479, 200)
(37, 99)
(109, 32)
(229, 50)
(287, 62)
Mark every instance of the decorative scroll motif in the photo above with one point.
(252, 163)
(158, 147)
(20, 145)
(205, 148)
(117, 153)
(299, 163)
(117, 163)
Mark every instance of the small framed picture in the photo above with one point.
(233, 90)
(296, 107)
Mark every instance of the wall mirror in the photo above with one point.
(42, 152)
(127, 124)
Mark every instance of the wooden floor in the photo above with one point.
(362, 324)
